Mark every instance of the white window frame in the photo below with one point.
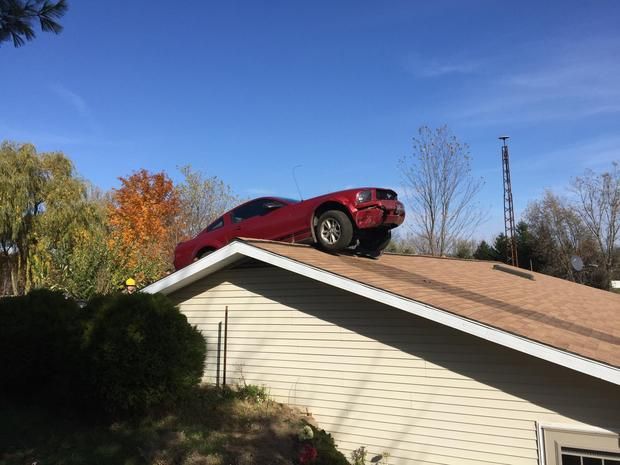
(540, 438)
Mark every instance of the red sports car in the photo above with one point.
(355, 217)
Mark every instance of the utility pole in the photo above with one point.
(509, 214)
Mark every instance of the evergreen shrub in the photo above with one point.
(141, 353)
(40, 345)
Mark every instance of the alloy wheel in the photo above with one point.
(330, 231)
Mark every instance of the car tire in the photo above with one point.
(375, 242)
(334, 230)
(203, 253)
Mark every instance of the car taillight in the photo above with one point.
(363, 196)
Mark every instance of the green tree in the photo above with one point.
(464, 248)
(43, 210)
(485, 252)
(17, 18)
(526, 243)
(82, 263)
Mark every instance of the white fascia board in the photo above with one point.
(237, 249)
(213, 262)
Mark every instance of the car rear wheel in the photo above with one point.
(334, 230)
(203, 253)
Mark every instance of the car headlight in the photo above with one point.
(363, 196)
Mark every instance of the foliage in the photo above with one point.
(80, 263)
(464, 248)
(558, 233)
(141, 352)
(484, 251)
(17, 16)
(320, 449)
(401, 243)
(44, 211)
(252, 393)
(141, 218)
(121, 354)
(358, 456)
(202, 200)
(441, 191)
(203, 428)
(39, 345)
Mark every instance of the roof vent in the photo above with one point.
(513, 270)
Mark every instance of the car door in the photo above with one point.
(262, 219)
(246, 220)
(289, 222)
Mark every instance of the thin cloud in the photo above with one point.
(72, 99)
(420, 67)
(596, 153)
(578, 81)
(80, 105)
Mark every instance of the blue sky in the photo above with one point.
(246, 90)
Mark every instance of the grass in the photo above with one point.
(211, 427)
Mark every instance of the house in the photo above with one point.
(433, 360)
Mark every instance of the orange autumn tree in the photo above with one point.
(141, 217)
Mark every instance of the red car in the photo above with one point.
(356, 217)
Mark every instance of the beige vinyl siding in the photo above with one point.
(376, 376)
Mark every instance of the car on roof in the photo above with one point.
(359, 219)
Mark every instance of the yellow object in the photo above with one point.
(130, 282)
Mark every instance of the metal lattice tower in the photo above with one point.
(509, 214)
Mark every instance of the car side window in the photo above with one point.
(247, 211)
(217, 224)
(269, 205)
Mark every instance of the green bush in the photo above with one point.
(40, 345)
(327, 453)
(141, 352)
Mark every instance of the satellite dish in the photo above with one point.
(576, 262)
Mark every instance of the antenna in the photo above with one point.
(509, 213)
(295, 179)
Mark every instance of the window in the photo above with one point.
(217, 224)
(246, 211)
(573, 456)
(576, 447)
(255, 208)
(270, 205)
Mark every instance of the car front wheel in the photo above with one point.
(334, 230)
(374, 243)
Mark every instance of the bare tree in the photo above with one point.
(598, 205)
(440, 191)
(203, 199)
(558, 234)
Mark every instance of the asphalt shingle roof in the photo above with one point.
(562, 314)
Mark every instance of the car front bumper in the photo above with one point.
(377, 216)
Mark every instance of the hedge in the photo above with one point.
(121, 354)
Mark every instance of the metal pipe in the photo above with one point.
(219, 344)
(225, 344)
